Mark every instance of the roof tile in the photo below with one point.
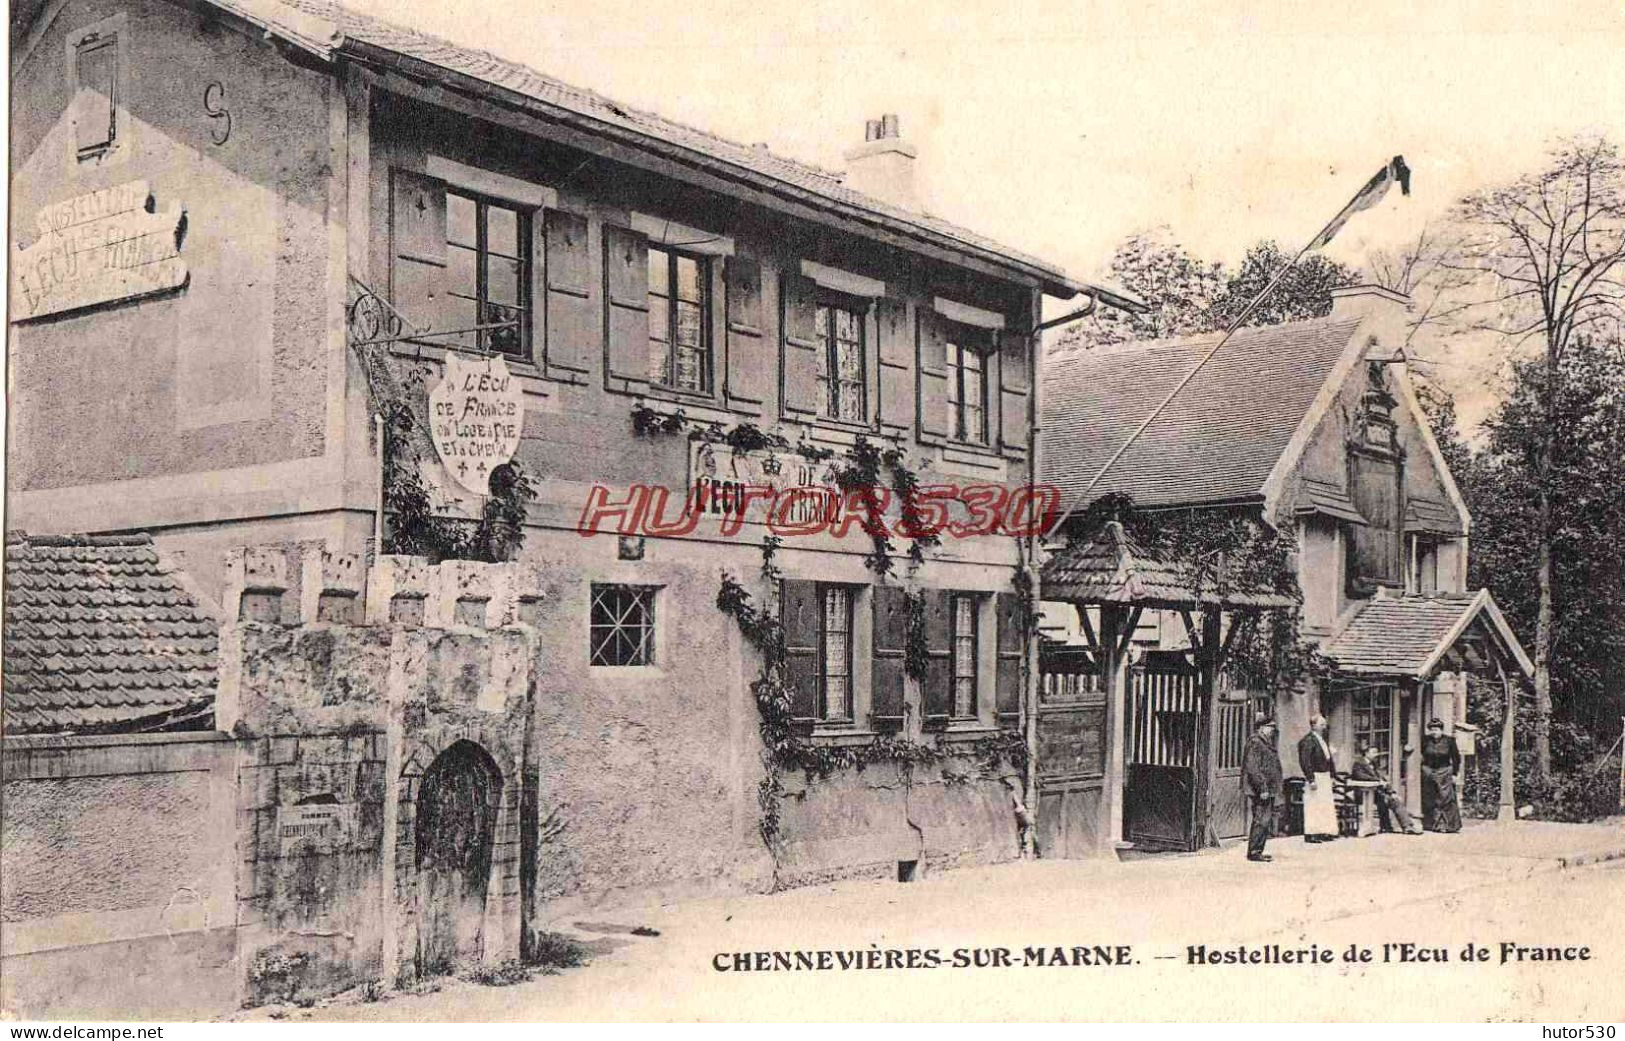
(99, 636)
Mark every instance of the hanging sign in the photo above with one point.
(99, 248)
(475, 415)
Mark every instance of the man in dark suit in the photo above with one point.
(1319, 804)
(1368, 767)
(1261, 782)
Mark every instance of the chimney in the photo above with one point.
(1384, 314)
(883, 166)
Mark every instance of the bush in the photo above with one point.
(1581, 786)
(555, 951)
(504, 975)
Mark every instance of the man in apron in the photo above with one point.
(1315, 760)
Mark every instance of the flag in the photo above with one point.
(1369, 196)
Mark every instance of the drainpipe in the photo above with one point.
(1030, 548)
(378, 511)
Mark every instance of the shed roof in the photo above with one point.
(1111, 567)
(1217, 440)
(101, 637)
(325, 27)
(1410, 635)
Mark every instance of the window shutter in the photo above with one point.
(933, 348)
(1375, 544)
(572, 327)
(896, 377)
(1015, 384)
(96, 105)
(939, 687)
(418, 231)
(626, 287)
(1012, 647)
(748, 366)
(801, 344)
(890, 657)
(799, 613)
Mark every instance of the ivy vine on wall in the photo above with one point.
(412, 524)
(785, 749)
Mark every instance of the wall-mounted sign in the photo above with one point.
(475, 415)
(99, 248)
(321, 824)
(719, 476)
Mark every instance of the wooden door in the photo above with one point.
(1165, 714)
(456, 826)
(1227, 809)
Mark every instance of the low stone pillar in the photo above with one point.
(256, 579)
(330, 587)
(461, 594)
(398, 590)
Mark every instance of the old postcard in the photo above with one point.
(824, 511)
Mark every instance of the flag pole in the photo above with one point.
(1229, 331)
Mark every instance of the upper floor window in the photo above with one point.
(967, 389)
(835, 654)
(96, 93)
(679, 326)
(842, 368)
(964, 655)
(486, 302)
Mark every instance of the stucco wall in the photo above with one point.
(231, 369)
(115, 858)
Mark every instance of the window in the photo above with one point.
(96, 100)
(622, 627)
(679, 329)
(486, 303)
(967, 390)
(1372, 720)
(1375, 547)
(842, 372)
(964, 655)
(835, 655)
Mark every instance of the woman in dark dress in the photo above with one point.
(1440, 761)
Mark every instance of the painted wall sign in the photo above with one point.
(315, 826)
(476, 413)
(719, 475)
(99, 248)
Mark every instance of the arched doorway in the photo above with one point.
(456, 826)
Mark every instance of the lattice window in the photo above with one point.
(842, 367)
(835, 654)
(622, 627)
(967, 392)
(964, 655)
(1372, 718)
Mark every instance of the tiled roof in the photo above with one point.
(1215, 442)
(100, 637)
(1328, 499)
(1407, 635)
(1111, 567)
(1430, 516)
(327, 26)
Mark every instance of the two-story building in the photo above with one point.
(224, 211)
(1312, 429)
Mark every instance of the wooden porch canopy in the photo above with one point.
(1112, 568)
(1417, 636)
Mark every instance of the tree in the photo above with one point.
(1542, 258)
(1189, 295)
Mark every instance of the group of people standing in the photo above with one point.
(1262, 782)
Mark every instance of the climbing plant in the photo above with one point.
(785, 749)
(1222, 552)
(414, 525)
(868, 476)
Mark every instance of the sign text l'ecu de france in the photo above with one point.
(475, 416)
(98, 248)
